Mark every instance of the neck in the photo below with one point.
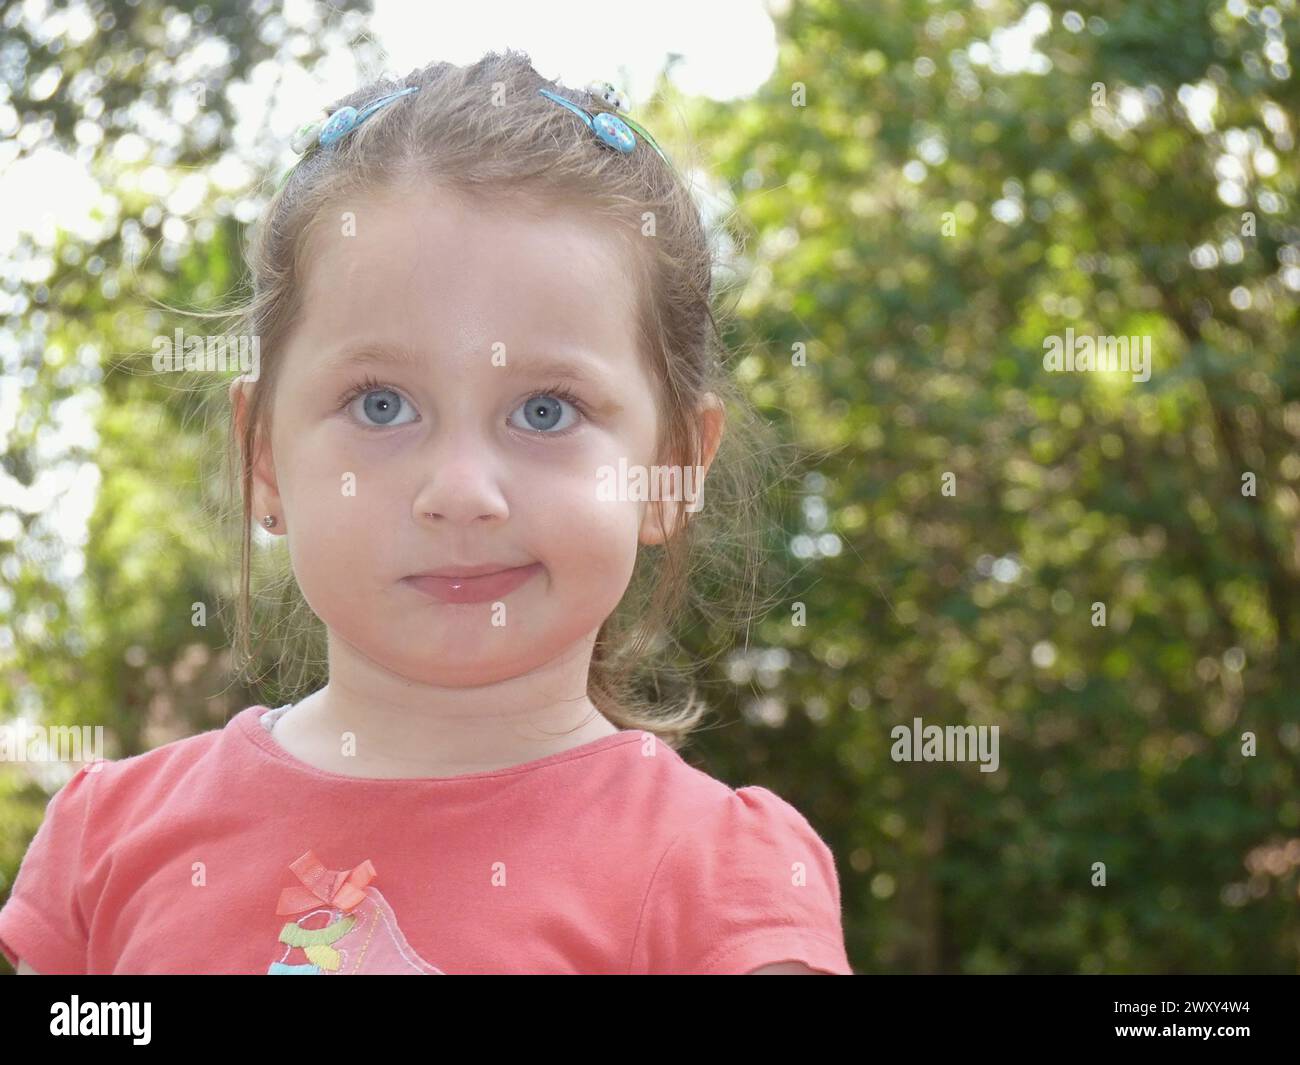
(367, 722)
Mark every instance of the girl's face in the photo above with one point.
(456, 380)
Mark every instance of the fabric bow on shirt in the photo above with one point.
(342, 889)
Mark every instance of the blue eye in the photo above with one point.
(545, 412)
(381, 404)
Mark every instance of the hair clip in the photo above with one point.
(610, 129)
(328, 131)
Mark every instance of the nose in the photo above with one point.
(462, 486)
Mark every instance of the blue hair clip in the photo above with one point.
(331, 130)
(610, 129)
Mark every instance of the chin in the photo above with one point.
(476, 673)
(464, 650)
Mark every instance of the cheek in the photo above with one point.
(330, 482)
(590, 552)
(569, 526)
(343, 513)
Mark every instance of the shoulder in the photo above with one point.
(700, 815)
(693, 802)
(758, 835)
(694, 813)
(121, 790)
(52, 905)
(745, 883)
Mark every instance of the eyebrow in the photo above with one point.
(371, 354)
(577, 367)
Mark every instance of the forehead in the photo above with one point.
(429, 269)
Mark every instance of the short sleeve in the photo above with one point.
(746, 884)
(43, 922)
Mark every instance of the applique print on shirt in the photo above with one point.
(346, 926)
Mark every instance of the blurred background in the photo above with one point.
(918, 193)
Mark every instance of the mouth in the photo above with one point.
(472, 584)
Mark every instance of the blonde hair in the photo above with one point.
(538, 156)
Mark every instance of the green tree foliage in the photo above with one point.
(921, 222)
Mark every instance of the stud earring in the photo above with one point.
(269, 521)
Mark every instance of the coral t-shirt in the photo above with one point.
(223, 853)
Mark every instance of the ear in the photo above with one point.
(266, 494)
(661, 515)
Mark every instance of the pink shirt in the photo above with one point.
(223, 853)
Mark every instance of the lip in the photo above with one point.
(472, 584)
(453, 572)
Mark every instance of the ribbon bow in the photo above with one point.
(343, 890)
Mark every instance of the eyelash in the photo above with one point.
(371, 384)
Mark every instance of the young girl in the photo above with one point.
(486, 340)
